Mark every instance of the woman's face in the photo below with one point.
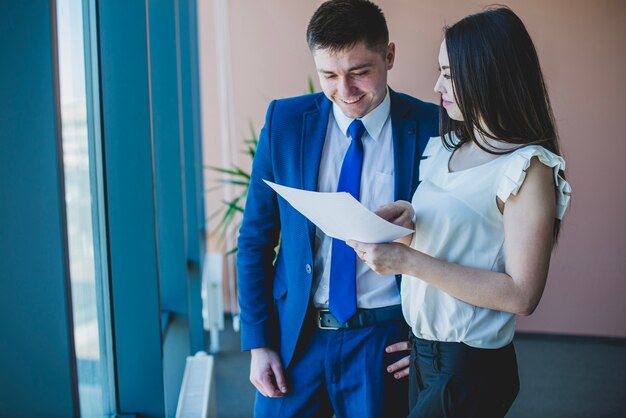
(444, 86)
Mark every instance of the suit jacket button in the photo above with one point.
(308, 268)
(411, 131)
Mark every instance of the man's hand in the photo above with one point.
(266, 372)
(400, 368)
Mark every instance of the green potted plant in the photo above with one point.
(230, 214)
(231, 211)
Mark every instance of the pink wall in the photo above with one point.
(581, 47)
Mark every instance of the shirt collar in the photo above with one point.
(373, 121)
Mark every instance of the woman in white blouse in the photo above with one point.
(486, 217)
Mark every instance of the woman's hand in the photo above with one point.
(399, 213)
(382, 258)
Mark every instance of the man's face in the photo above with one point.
(356, 78)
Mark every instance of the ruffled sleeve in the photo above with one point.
(515, 173)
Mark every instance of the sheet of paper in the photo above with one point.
(340, 215)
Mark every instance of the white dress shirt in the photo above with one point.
(377, 189)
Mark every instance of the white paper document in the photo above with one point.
(340, 215)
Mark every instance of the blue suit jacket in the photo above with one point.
(274, 297)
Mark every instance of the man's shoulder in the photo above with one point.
(415, 104)
(424, 113)
(299, 104)
(289, 113)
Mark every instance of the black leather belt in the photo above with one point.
(363, 318)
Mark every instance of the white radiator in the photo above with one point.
(197, 393)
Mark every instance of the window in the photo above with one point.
(83, 197)
(100, 179)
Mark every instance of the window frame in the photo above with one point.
(35, 299)
(150, 194)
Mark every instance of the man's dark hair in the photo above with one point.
(340, 24)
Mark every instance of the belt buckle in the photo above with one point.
(320, 325)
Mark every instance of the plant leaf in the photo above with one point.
(311, 85)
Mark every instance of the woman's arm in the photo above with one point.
(528, 229)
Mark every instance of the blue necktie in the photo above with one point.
(342, 297)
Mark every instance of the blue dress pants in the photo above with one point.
(450, 379)
(342, 372)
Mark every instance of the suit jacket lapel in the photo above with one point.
(404, 132)
(314, 125)
(405, 147)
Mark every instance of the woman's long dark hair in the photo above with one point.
(498, 85)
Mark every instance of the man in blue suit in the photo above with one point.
(304, 360)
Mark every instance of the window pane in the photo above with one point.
(82, 195)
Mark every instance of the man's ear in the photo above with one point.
(391, 55)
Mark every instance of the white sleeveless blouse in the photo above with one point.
(457, 220)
